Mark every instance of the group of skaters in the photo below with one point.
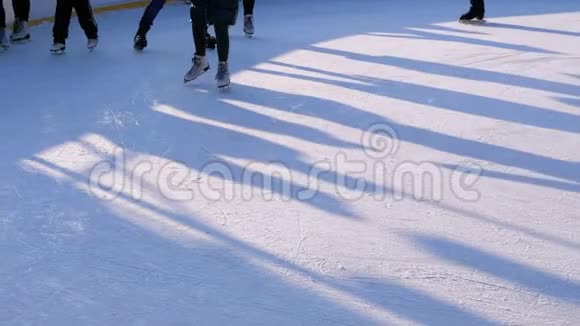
(220, 13)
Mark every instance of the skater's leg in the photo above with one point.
(249, 7)
(21, 14)
(198, 14)
(478, 6)
(476, 10)
(149, 15)
(223, 42)
(62, 20)
(2, 16)
(249, 17)
(21, 9)
(86, 18)
(223, 46)
(3, 38)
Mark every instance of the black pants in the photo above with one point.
(198, 13)
(149, 15)
(2, 15)
(63, 15)
(21, 11)
(249, 7)
(477, 7)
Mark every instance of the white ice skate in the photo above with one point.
(92, 43)
(249, 25)
(20, 33)
(223, 75)
(200, 66)
(58, 48)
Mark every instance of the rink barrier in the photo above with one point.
(103, 9)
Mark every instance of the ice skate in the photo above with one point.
(249, 25)
(4, 44)
(92, 43)
(58, 48)
(473, 16)
(200, 66)
(223, 75)
(20, 33)
(140, 41)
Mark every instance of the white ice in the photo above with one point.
(129, 198)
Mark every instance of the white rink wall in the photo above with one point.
(45, 8)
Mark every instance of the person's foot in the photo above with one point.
(222, 76)
(473, 13)
(140, 41)
(58, 48)
(20, 32)
(249, 24)
(4, 44)
(92, 43)
(199, 66)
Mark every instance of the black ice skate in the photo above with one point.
(139, 42)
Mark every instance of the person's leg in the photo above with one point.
(86, 18)
(21, 9)
(2, 16)
(223, 47)
(198, 14)
(3, 38)
(476, 10)
(21, 14)
(62, 20)
(149, 15)
(223, 41)
(478, 6)
(249, 17)
(249, 7)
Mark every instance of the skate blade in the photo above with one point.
(249, 35)
(224, 87)
(57, 52)
(473, 21)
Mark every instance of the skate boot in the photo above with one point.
(223, 75)
(4, 44)
(475, 14)
(249, 25)
(200, 65)
(58, 48)
(140, 41)
(92, 43)
(210, 41)
(20, 33)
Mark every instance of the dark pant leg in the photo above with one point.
(249, 7)
(223, 41)
(21, 9)
(198, 14)
(149, 15)
(478, 6)
(86, 18)
(62, 20)
(2, 15)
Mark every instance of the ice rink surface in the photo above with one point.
(373, 162)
